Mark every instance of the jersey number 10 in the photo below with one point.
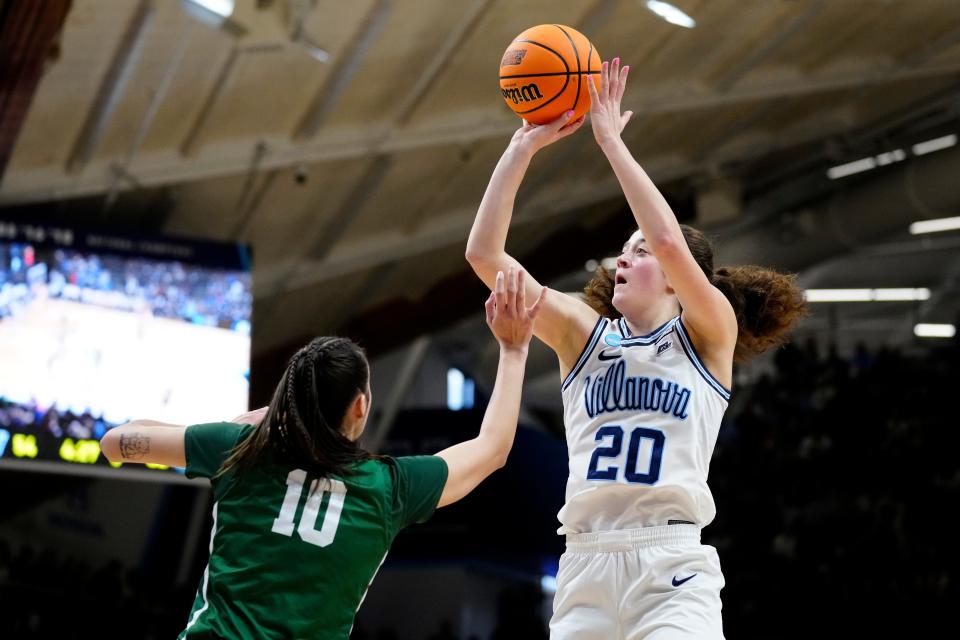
(630, 472)
(308, 519)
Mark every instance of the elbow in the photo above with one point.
(110, 445)
(475, 255)
(482, 262)
(500, 457)
(110, 442)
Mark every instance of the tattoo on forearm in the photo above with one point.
(134, 445)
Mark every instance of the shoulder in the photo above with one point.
(415, 465)
(219, 433)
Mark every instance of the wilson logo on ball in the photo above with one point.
(526, 93)
(512, 57)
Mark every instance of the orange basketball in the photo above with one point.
(544, 73)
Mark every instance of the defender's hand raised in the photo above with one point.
(507, 314)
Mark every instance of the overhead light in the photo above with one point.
(671, 14)
(866, 164)
(609, 263)
(215, 14)
(936, 144)
(932, 226)
(223, 8)
(316, 51)
(890, 157)
(850, 168)
(866, 295)
(318, 54)
(924, 330)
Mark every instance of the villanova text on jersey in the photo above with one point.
(613, 390)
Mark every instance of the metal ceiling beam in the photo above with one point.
(346, 67)
(768, 46)
(352, 207)
(455, 227)
(231, 160)
(188, 147)
(399, 388)
(121, 170)
(440, 59)
(113, 87)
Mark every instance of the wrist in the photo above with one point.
(610, 143)
(514, 351)
(521, 150)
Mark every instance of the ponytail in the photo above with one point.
(302, 425)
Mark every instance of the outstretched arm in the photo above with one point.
(706, 310)
(470, 462)
(155, 442)
(565, 322)
(146, 442)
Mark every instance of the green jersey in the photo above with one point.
(291, 554)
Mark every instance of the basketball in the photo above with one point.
(544, 72)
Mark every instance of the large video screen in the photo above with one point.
(99, 328)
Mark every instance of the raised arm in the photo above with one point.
(706, 311)
(564, 322)
(146, 442)
(470, 462)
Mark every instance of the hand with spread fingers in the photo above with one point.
(508, 316)
(605, 115)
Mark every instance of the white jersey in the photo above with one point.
(642, 415)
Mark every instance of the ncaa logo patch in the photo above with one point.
(612, 339)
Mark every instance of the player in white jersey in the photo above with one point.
(646, 363)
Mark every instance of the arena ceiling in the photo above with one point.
(350, 142)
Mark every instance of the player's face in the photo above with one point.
(638, 276)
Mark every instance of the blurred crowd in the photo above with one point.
(166, 289)
(58, 423)
(835, 479)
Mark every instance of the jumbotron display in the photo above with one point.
(97, 328)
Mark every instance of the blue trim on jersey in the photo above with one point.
(624, 329)
(694, 357)
(651, 337)
(585, 354)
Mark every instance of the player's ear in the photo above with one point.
(360, 405)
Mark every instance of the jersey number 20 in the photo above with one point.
(630, 472)
(308, 519)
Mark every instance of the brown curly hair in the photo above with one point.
(767, 303)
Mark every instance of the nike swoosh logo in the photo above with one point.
(677, 583)
(604, 356)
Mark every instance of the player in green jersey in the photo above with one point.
(302, 516)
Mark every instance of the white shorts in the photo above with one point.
(655, 583)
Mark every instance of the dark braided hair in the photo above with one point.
(767, 303)
(302, 424)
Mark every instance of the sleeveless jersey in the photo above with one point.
(642, 415)
(292, 555)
